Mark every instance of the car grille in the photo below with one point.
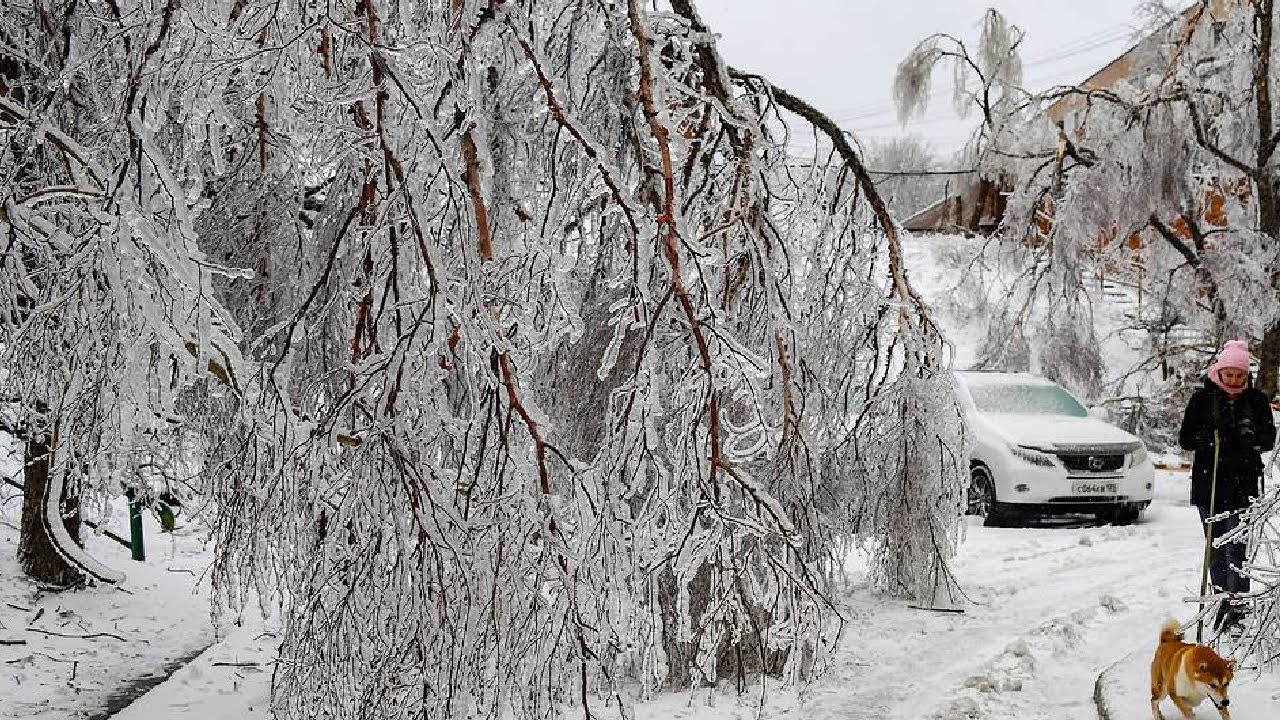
(1096, 448)
(1092, 463)
(1087, 499)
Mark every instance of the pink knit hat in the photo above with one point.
(1234, 354)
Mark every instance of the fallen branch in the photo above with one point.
(937, 609)
(88, 636)
(32, 655)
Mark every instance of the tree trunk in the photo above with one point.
(681, 654)
(1269, 350)
(1268, 201)
(37, 555)
(739, 659)
(1269, 361)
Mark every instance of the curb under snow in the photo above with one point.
(1102, 686)
(1122, 691)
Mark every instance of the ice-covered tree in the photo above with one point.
(1165, 175)
(106, 303)
(559, 382)
(1170, 171)
(1048, 301)
(601, 383)
(986, 78)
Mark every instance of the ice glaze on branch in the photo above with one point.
(901, 286)
(669, 228)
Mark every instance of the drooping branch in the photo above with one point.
(471, 158)
(1175, 242)
(561, 116)
(1195, 259)
(714, 72)
(901, 287)
(669, 225)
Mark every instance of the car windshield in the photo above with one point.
(1025, 400)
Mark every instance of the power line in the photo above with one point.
(897, 173)
(921, 173)
(1101, 40)
(1077, 47)
(928, 120)
(1109, 34)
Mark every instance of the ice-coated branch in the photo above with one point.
(901, 286)
(516, 356)
(1197, 124)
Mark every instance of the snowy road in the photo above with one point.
(1054, 604)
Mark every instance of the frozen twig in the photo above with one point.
(87, 636)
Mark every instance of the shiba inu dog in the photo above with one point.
(1188, 674)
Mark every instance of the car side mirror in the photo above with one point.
(1099, 412)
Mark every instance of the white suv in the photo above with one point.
(1037, 449)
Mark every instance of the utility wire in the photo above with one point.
(1081, 44)
(921, 173)
(1078, 47)
(801, 160)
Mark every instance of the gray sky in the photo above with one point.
(841, 54)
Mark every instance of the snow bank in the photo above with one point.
(1123, 692)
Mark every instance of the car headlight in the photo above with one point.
(1032, 455)
(1139, 456)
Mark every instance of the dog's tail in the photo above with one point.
(1170, 631)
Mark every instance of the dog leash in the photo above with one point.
(1208, 538)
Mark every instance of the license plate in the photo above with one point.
(1094, 488)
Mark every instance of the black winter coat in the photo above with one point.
(1245, 428)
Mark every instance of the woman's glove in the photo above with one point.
(1245, 431)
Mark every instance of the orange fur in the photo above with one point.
(1188, 674)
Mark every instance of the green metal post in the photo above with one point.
(136, 546)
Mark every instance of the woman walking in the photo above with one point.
(1228, 424)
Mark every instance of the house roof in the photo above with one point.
(955, 211)
(931, 217)
(1139, 59)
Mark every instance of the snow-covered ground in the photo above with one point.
(79, 654)
(1051, 606)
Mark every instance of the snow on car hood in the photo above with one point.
(1050, 431)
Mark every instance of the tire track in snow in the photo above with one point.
(1053, 602)
(1117, 611)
